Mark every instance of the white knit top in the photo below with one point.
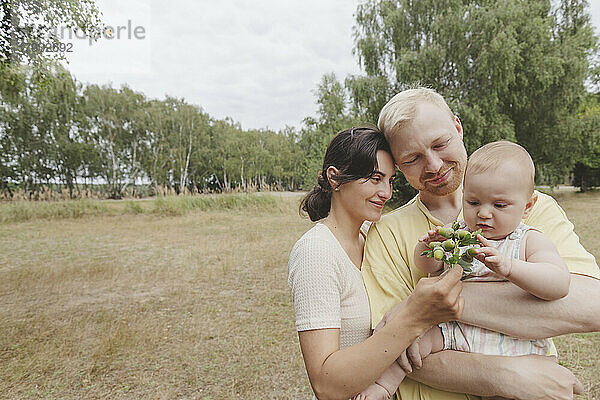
(327, 287)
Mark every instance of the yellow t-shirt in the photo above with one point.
(390, 275)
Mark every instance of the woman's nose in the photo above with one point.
(386, 192)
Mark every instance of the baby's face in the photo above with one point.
(495, 201)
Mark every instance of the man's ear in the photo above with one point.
(458, 126)
(530, 204)
(332, 172)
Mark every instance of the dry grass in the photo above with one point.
(140, 305)
(581, 352)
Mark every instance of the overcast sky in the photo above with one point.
(257, 62)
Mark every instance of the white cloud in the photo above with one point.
(254, 61)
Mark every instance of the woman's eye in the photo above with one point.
(408, 162)
(376, 179)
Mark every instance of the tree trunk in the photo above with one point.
(242, 174)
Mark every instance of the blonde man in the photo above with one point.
(426, 139)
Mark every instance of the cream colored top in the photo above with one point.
(327, 288)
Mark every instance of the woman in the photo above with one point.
(330, 301)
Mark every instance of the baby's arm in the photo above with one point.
(544, 274)
(384, 387)
(427, 264)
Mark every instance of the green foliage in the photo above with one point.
(510, 69)
(332, 116)
(66, 133)
(456, 249)
(22, 211)
(180, 205)
(29, 26)
(26, 211)
(586, 173)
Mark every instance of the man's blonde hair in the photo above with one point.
(495, 155)
(402, 108)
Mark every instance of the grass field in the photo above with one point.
(175, 300)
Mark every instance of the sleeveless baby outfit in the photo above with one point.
(469, 338)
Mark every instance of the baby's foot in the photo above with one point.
(373, 392)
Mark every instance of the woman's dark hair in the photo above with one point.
(353, 152)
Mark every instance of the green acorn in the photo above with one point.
(448, 245)
(463, 234)
(471, 252)
(433, 245)
(438, 253)
(446, 232)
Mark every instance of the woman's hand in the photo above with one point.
(437, 299)
(434, 300)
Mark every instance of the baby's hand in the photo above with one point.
(492, 258)
(431, 236)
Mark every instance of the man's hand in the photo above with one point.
(536, 377)
(491, 257)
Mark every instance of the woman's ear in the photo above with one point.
(332, 172)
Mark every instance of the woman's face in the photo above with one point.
(363, 199)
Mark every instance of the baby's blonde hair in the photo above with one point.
(495, 155)
(401, 109)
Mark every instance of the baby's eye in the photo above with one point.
(500, 205)
(472, 202)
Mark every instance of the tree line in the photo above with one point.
(63, 132)
(528, 72)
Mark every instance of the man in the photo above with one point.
(426, 139)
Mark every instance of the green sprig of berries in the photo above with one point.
(454, 250)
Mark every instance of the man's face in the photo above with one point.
(430, 152)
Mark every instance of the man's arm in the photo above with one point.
(523, 377)
(506, 308)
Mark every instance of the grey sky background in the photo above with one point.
(257, 62)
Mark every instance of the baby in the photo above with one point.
(497, 195)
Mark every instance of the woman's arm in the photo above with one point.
(340, 374)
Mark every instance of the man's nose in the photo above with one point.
(433, 163)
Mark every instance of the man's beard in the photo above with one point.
(448, 187)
